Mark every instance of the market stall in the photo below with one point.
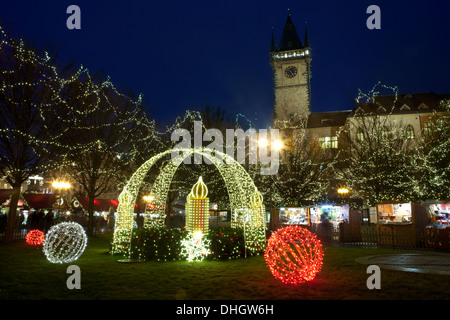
(398, 222)
(437, 233)
(331, 213)
(294, 216)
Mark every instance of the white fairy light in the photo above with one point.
(195, 247)
(64, 242)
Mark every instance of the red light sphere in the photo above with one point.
(294, 255)
(35, 237)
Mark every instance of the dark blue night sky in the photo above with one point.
(185, 54)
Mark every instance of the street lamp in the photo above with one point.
(278, 144)
(60, 185)
(149, 198)
(342, 191)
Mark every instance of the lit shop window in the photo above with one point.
(328, 142)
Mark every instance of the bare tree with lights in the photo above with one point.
(378, 162)
(435, 148)
(111, 136)
(32, 114)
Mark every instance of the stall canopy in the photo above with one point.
(40, 201)
(4, 195)
(100, 205)
(30, 200)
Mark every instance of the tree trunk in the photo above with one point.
(91, 215)
(12, 215)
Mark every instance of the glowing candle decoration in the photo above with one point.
(197, 208)
(294, 255)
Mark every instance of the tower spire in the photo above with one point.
(290, 39)
(273, 46)
(307, 45)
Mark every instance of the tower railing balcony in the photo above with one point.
(290, 54)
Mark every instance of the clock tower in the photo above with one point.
(291, 65)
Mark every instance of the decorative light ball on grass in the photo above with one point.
(35, 237)
(65, 242)
(294, 255)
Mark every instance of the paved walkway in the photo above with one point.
(422, 263)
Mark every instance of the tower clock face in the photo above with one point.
(290, 71)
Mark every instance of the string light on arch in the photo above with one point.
(240, 188)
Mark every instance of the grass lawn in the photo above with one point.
(26, 274)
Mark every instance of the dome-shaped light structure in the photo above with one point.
(199, 190)
(256, 198)
(189, 197)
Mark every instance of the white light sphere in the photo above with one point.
(64, 242)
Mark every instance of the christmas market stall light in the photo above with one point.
(294, 255)
(65, 242)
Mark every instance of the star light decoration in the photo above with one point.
(294, 255)
(195, 247)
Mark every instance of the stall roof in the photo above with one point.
(4, 195)
(39, 201)
(100, 205)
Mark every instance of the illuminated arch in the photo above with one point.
(240, 186)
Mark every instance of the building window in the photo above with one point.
(404, 108)
(423, 106)
(328, 142)
(326, 121)
(427, 129)
(409, 132)
(381, 109)
(360, 135)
